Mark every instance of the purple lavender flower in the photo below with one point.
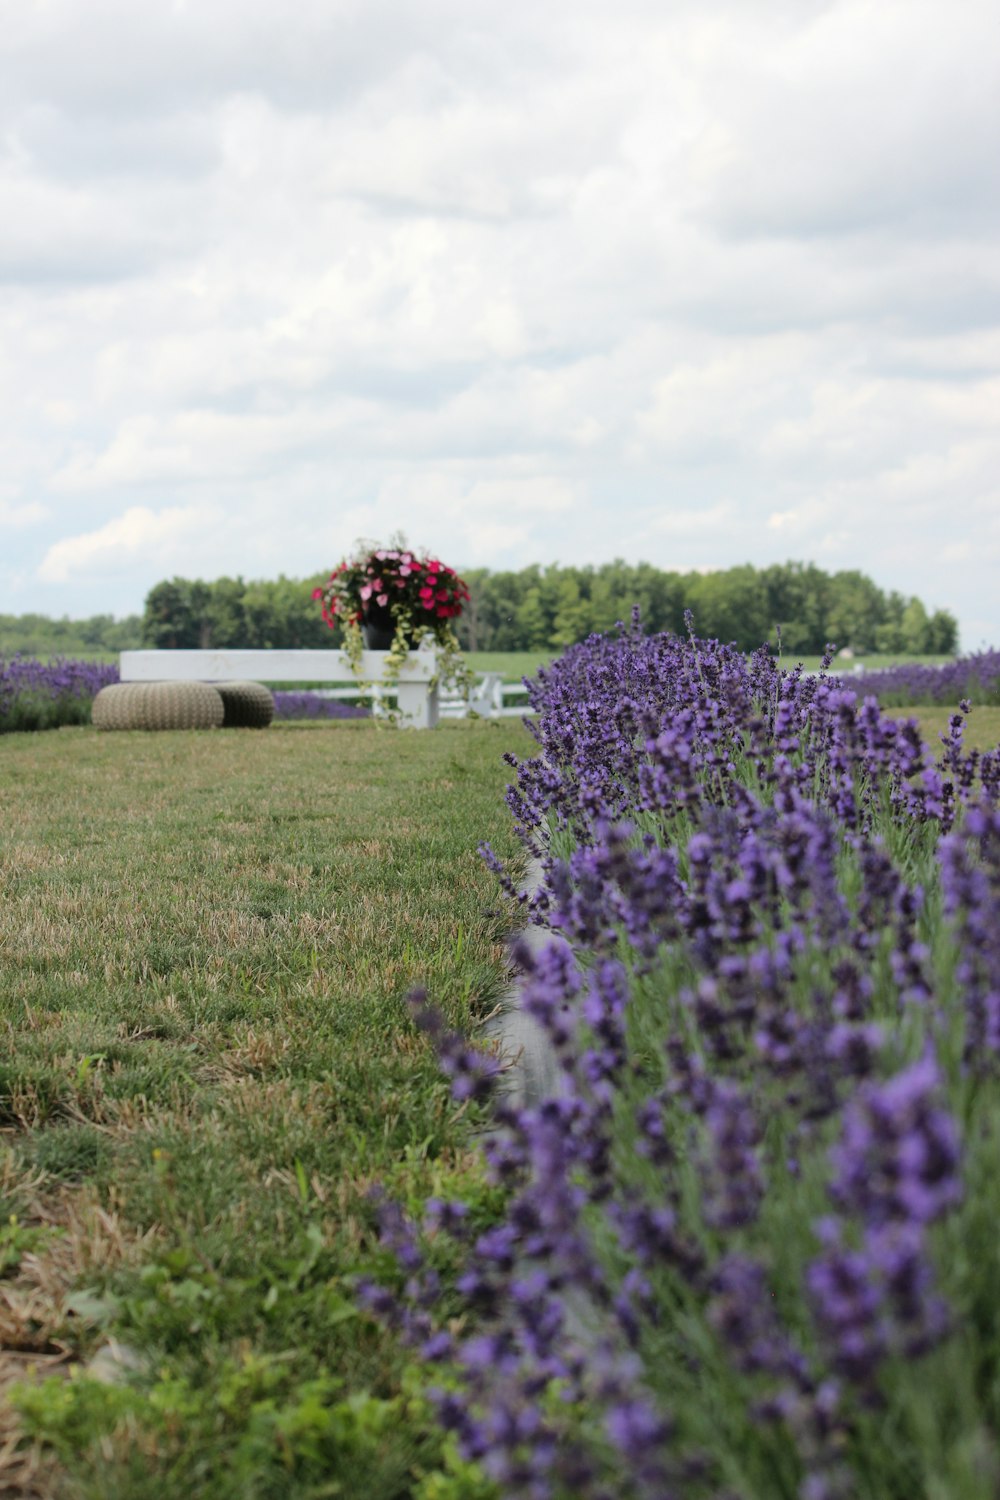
(970, 871)
(898, 1155)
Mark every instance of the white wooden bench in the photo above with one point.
(418, 701)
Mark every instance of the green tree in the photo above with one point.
(537, 607)
(796, 601)
(857, 608)
(942, 633)
(169, 622)
(224, 623)
(572, 616)
(731, 606)
(532, 622)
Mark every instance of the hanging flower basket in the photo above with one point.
(393, 599)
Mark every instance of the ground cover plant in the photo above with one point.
(859, 666)
(750, 1249)
(205, 945)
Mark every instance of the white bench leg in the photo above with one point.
(418, 705)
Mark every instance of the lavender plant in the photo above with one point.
(44, 695)
(749, 1249)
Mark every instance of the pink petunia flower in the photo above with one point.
(382, 599)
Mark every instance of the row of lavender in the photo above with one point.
(46, 695)
(752, 1248)
(976, 677)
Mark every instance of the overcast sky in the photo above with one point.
(699, 283)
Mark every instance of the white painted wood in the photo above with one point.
(418, 705)
(267, 666)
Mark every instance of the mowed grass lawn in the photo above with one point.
(206, 941)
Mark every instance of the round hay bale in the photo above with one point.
(117, 705)
(182, 705)
(158, 705)
(247, 705)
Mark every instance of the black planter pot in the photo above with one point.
(376, 637)
(377, 627)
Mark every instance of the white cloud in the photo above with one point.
(695, 523)
(134, 535)
(14, 515)
(713, 280)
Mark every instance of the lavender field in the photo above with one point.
(750, 1249)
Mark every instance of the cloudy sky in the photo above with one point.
(700, 282)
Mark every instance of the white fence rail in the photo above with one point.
(487, 698)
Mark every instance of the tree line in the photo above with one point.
(537, 608)
(540, 608)
(43, 637)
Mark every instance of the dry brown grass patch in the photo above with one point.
(87, 1237)
(37, 1337)
(25, 1472)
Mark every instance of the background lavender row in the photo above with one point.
(305, 705)
(975, 677)
(45, 695)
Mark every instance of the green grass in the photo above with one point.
(206, 941)
(982, 727)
